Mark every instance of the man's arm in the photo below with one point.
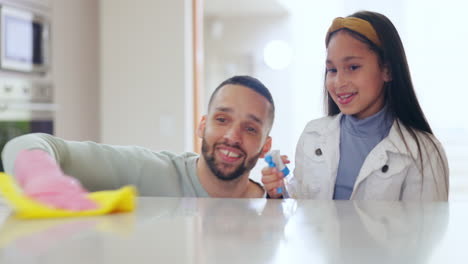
(96, 166)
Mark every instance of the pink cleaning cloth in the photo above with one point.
(42, 180)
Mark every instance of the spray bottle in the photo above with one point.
(273, 158)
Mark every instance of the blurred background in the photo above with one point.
(140, 72)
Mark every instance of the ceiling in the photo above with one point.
(236, 8)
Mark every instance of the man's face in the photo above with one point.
(235, 131)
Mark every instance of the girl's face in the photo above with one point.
(354, 78)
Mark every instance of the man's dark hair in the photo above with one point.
(251, 83)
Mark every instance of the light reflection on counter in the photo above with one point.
(208, 230)
(371, 232)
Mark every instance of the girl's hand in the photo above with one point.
(272, 179)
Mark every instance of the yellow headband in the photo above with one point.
(358, 25)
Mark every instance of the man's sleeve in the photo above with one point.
(96, 166)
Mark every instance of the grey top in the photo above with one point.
(106, 167)
(357, 139)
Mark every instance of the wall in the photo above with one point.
(146, 73)
(437, 58)
(121, 75)
(75, 61)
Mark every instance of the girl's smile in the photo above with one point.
(345, 98)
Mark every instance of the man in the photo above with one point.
(234, 135)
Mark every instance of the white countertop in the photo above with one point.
(208, 230)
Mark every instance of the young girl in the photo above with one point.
(375, 143)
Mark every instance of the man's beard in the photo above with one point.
(214, 165)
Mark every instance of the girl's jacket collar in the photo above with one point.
(328, 128)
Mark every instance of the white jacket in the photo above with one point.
(389, 172)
